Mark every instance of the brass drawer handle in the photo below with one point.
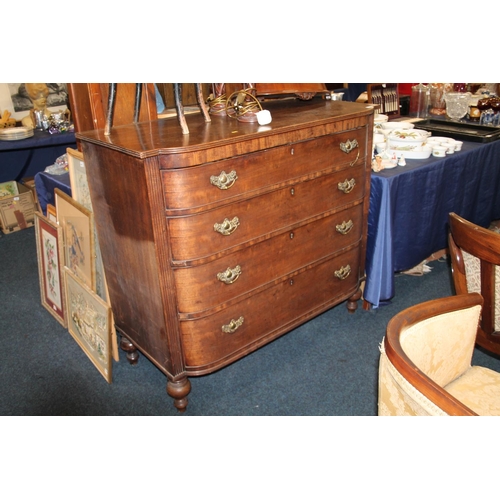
(229, 275)
(348, 146)
(343, 272)
(345, 227)
(223, 180)
(347, 186)
(233, 325)
(355, 160)
(227, 227)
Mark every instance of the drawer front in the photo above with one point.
(216, 340)
(205, 185)
(214, 231)
(205, 286)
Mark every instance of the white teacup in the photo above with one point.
(458, 145)
(450, 147)
(439, 151)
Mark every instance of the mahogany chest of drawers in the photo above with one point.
(217, 242)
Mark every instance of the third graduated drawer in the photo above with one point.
(208, 284)
(216, 338)
(227, 227)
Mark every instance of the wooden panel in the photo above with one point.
(89, 104)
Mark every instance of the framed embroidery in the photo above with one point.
(89, 323)
(77, 223)
(78, 178)
(50, 255)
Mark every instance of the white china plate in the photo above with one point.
(409, 155)
(15, 133)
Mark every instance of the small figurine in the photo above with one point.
(377, 164)
(402, 161)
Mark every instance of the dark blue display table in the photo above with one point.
(26, 157)
(409, 207)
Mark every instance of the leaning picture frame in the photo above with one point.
(89, 323)
(51, 212)
(78, 178)
(77, 223)
(50, 256)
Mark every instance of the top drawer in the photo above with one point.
(202, 187)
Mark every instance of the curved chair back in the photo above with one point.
(427, 347)
(475, 264)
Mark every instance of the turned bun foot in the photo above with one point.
(179, 390)
(352, 302)
(130, 349)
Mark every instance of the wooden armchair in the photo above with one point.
(425, 362)
(475, 261)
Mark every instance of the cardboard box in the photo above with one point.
(17, 211)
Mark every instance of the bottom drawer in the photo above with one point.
(218, 339)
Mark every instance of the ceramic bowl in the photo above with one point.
(400, 138)
(397, 125)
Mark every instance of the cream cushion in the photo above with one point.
(441, 347)
(479, 389)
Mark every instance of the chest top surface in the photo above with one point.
(291, 120)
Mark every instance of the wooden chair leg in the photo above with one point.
(201, 102)
(180, 108)
(138, 95)
(111, 108)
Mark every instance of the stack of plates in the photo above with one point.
(15, 133)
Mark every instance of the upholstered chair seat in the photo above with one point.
(425, 362)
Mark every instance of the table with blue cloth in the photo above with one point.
(26, 157)
(45, 184)
(409, 207)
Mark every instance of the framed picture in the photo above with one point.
(78, 178)
(77, 223)
(89, 319)
(51, 212)
(50, 252)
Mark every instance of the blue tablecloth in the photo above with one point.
(26, 157)
(409, 207)
(46, 183)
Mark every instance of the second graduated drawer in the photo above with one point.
(207, 233)
(205, 286)
(205, 185)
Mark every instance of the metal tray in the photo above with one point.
(464, 131)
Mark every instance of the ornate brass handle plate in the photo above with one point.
(347, 186)
(343, 272)
(233, 325)
(227, 227)
(229, 275)
(348, 146)
(223, 180)
(345, 227)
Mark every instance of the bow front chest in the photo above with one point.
(217, 242)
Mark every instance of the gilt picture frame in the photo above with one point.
(77, 223)
(89, 323)
(50, 256)
(78, 178)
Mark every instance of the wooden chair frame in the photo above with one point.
(485, 245)
(396, 355)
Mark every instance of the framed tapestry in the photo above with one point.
(50, 254)
(77, 223)
(78, 178)
(89, 323)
